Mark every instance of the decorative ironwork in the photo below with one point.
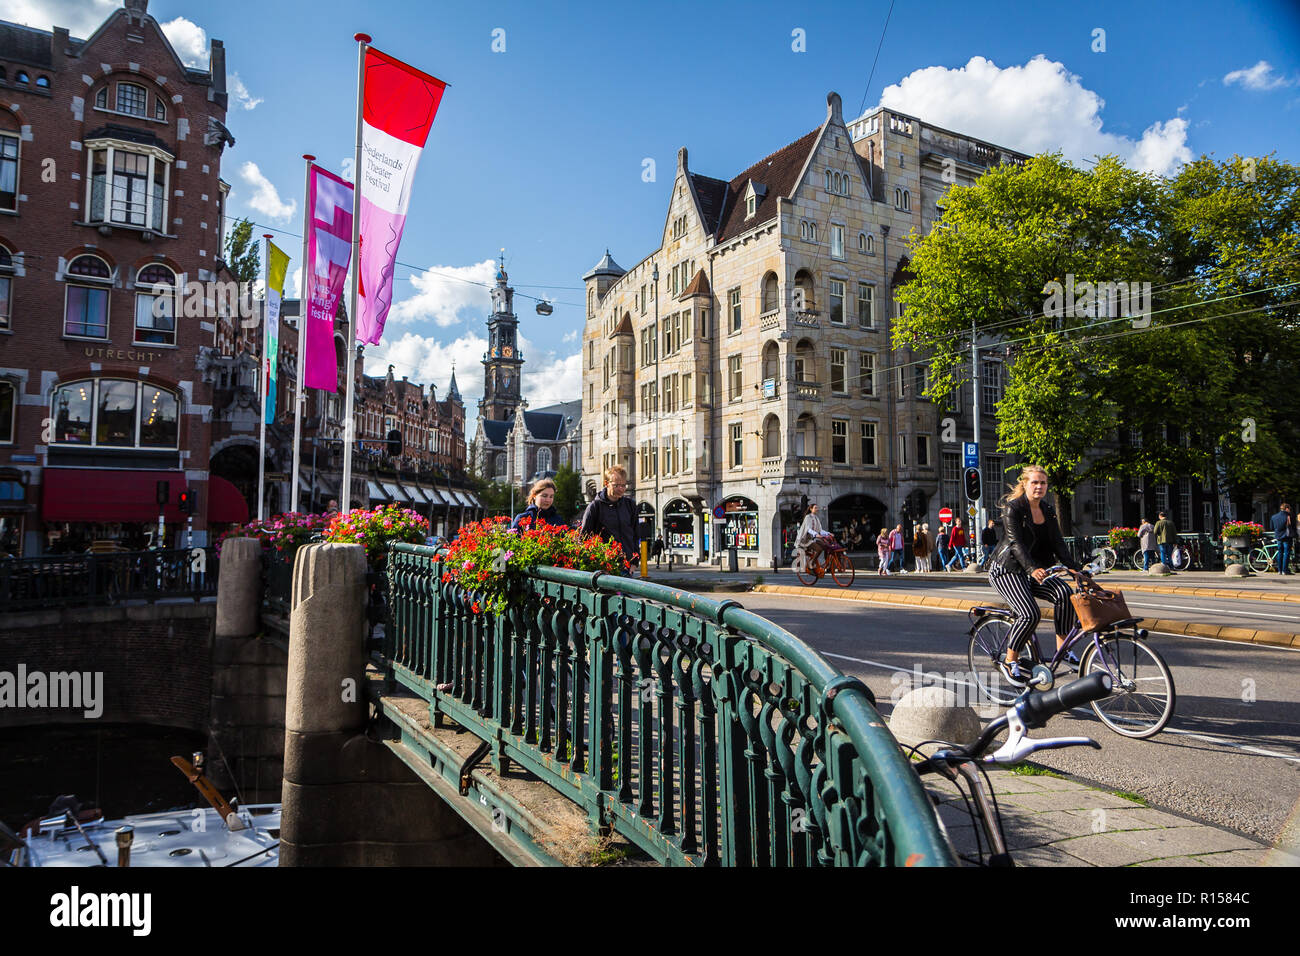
(698, 730)
(68, 580)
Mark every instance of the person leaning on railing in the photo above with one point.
(1031, 543)
(612, 514)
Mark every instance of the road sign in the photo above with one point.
(971, 453)
(972, 511)
(945, 514)
(720, 512)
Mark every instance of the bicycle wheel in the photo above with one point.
(1136, 561)
(1107, 557)
(841, 568)
(1260, 560)
(806, 570)
(1143, 698)
(988, 645)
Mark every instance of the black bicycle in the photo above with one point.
(1031, 709)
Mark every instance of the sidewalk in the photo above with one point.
(1051, 820)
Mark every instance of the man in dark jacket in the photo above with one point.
(1284, 529)
(612, 514)
(989, 541)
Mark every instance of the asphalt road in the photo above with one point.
(1229, 756)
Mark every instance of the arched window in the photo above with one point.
(155, 306)
(499, 469)
(21, 77)
(771, 293)
(772, 437)
(85, 313)
(115, 413)
(101, 98)
(132, 98)
(543, 460)
(43, 82)
(812, 231)
(159, 109)
(564, 456)
(8, 404)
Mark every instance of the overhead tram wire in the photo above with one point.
(879, 46)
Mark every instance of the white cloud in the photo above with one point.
(428, 361)
(240, 92)
(265, 200)
(444, 294)
(1258, 77)
(294, 284)
(1037, 107)
(570, 336)
(81, 17)
(189, 40)
(553, 380)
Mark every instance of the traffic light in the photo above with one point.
(162, 491)
(394, 444)
(972, 484)
(187, 501)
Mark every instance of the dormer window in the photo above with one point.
(754, 194)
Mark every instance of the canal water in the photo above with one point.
(120, 768)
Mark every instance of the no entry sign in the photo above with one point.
(945, 514)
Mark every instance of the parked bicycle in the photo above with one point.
(1143, 698)
(1183, 557)
(1030, 710)
(1264, 558)
(833, 559)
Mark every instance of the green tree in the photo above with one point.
(243, 252)
(568, 492)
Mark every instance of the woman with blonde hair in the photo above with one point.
(541, 507)
(883, 551)
(1031, 543)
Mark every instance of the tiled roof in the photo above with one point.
(779, 173)
(605, 267)
(712, 193)
(142, 136)
(564, 410)
(496, 432)
(544, 426)
(24, 44)
(699, 286)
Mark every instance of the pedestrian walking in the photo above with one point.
(1147, 542)
(883, 551)
(957, 545)
(896, 550)
(540, 508)
(921, 548)
(657, 549)
(1031, 543)
(941, 546)
(1166, 538)
(988, 541)
(1285, 531)
(612, 513)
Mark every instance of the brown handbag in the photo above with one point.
(1097, 608)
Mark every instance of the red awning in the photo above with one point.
(225, 503)
(107, 496)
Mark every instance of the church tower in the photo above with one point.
(502, 363)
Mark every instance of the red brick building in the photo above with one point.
(110, 192)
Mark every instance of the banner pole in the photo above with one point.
(345, 505)
(265, 377)
(304, 301)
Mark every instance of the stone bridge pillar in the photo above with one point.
(348, 800)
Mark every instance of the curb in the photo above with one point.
(1195, 591)
(1244, 635)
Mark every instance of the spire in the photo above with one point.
(452, 391)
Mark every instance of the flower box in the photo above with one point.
(1123, 538)
(1242, 534)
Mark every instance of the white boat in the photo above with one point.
(219, 835)
(196, 837)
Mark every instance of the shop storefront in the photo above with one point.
(13, 508)
(679, 526)
(740, 524)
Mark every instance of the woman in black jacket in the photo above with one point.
(1031, 543)
(541, 507)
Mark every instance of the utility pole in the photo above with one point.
(975, 405)
(654, 277)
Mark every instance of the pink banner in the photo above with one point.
(329, 253)
(400, 104)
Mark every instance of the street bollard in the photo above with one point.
(645, 560)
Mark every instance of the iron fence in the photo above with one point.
(701, 732)
(67, 580)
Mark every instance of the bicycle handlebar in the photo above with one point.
(1038, 708)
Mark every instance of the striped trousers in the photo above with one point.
(1019, 590)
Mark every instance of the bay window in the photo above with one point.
(127, 184)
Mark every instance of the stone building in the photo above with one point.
(513, 444)
(745, 365)
(110, 191)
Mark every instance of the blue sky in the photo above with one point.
(540, 148)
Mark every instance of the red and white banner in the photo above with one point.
(400, 103)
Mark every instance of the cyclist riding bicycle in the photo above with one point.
(811, 541)
(1031, 543)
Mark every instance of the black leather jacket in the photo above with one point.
(1012, 552)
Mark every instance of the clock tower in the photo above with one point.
(502, 362)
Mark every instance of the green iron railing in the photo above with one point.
(699, 731)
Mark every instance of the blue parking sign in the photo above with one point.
(971, 451)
